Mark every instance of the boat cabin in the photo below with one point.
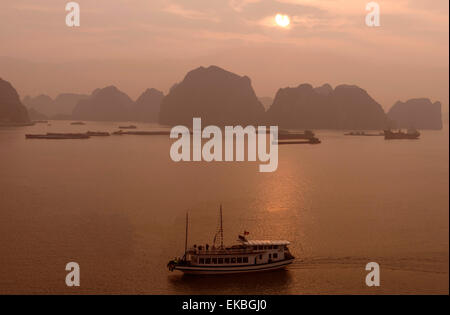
(247, 253)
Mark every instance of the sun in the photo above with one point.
(282, 20)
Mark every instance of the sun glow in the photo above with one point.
(282, 20)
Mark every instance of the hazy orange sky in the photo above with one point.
(137, 44)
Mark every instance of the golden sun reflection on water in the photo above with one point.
(283, 190)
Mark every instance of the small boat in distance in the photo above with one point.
(128, 127)
(246, 256)
(78, 123)
(412, 134)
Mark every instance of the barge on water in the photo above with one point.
(142, 133)
(98, 134)
(244, 257)
(412, 134)
(128, 127)
(313, 140)
(58, 136)
(290, 135)
(363, 134)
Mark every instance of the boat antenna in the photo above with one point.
(186, 240)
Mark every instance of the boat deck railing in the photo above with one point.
(217, 251)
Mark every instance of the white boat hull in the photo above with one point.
(207, 270)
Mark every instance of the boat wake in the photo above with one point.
(436, 265)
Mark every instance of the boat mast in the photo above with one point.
(186, 239)
(221, 229)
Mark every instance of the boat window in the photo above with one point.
(260, 256)
(220, 260)
(227, 260)
(214, 260)
(270, 256)
(233, 260)
(260, 247)
(245, 259)
(275, 246)
(275, 255)
(202, 261)
(207, 260)
(239, 260)
(255, 247)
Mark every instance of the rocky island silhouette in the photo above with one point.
(221, 97)
(12, 111)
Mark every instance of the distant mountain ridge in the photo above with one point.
(106, 104)
(418, 113)
(63, 104)
(111, 104)
(11, 108)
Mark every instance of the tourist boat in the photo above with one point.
(246, 256)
